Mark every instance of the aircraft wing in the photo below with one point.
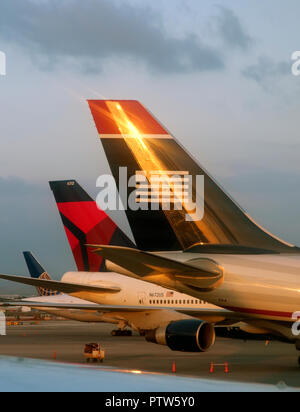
(206, 274)
(59, 377)
(79, 306)
(211, 315)
(112, 308)
(218, 316)
(61, 286)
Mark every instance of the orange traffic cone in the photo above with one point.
(212, 368)
(226, 368)
(174, 367)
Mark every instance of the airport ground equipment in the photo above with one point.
(94, 352)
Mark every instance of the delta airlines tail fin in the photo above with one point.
(38, 272)
(85, 223)
(132, 138)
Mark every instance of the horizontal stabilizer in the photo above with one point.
(61, 286)
(205, 273)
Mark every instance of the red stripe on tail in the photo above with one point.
(124, 117)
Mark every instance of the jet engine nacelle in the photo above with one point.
(190, 335)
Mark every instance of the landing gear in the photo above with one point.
(120, 332)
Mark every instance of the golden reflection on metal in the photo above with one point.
(125, 126)
(224, 223)
(149, 163)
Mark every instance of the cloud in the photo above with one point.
(266, 70)
(29, 221)
(231, 30)
(91, 32)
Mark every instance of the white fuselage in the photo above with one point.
(134, 293)
(261, 285)
(266, 288)
(263, 289)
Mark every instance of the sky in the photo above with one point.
(217, 74)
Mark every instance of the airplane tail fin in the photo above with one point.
(38, 272)
(132, 138)
(85, 223)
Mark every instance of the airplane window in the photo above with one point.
(176, 302)
(165, 302)
(192, 302)
(183, 302)
(188, 302)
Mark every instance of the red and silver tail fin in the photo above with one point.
(84, 223)
(133, 138)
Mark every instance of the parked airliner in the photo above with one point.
(226, 258)
(125, 302)
(95, 295)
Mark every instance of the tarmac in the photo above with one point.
(230, 359)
